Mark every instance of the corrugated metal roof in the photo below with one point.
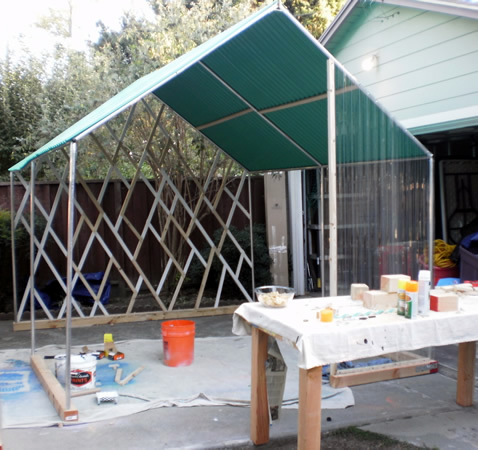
(258, 91)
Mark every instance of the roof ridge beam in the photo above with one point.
(288, 105)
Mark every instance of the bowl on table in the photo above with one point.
(274, 296)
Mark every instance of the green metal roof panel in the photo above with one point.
(260, 148)
(268, 69)
(198, 97)
(258, 90)
(307, 125)
(364, 131)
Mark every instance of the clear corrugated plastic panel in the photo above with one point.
(382, 193)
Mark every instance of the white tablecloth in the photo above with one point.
(320, 343)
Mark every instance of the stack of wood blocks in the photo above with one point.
(385, 297)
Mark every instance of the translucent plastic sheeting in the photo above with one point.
(383, 183)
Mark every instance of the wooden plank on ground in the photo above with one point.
(382, 372)
(54, 389)
(77, 322)
(85, 392)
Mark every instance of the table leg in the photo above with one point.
(466, 373)
(259, 401)
(310, 398)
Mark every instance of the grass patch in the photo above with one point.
(357, 439)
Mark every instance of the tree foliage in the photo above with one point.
(20, 109)
(315, 15)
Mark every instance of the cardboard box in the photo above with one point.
(442, 301)
(389, 283)
(357, 290)
(380, 299)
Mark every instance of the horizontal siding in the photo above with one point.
(445, 55)
(446, 79)
(428, 62)
(437, 106)
(383, 34)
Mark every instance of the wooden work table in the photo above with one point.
(322, 343)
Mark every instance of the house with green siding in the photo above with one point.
(419, 60)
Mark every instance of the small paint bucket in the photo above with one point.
(82, 369)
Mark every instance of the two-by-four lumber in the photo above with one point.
(259, 399)
(112, 319)
(310, 398)
(54, 389)
(382, 372)
(465, 384)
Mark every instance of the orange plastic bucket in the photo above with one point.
(178, 342)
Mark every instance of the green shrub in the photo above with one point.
(22, 246)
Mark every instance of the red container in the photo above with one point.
(444, 272)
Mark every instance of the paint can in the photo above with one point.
(82, 369)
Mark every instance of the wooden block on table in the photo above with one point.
(380, 299)
(442, 301)
(357, 290)
(389, 283)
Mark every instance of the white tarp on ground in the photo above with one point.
(220, 375)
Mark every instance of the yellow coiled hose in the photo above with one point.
(441, 254)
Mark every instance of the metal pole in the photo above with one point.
(32, 255)
(296, 231)
(252, 233)
(69, 268)
(14, 260)
(322, 234)
(332, 177)
(431, 215)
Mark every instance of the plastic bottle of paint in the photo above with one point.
(411, 303)
(424, 292)
(402, 284)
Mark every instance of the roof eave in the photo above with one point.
(340, 18)
(438, 6)
(428, 5)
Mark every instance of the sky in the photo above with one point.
(18, 17)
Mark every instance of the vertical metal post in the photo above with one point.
(322, 233)
(14, 258)
(431, 215)
(32, 256)
(332, 156)
(296, 229)
(252, 233)
(69, 268)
